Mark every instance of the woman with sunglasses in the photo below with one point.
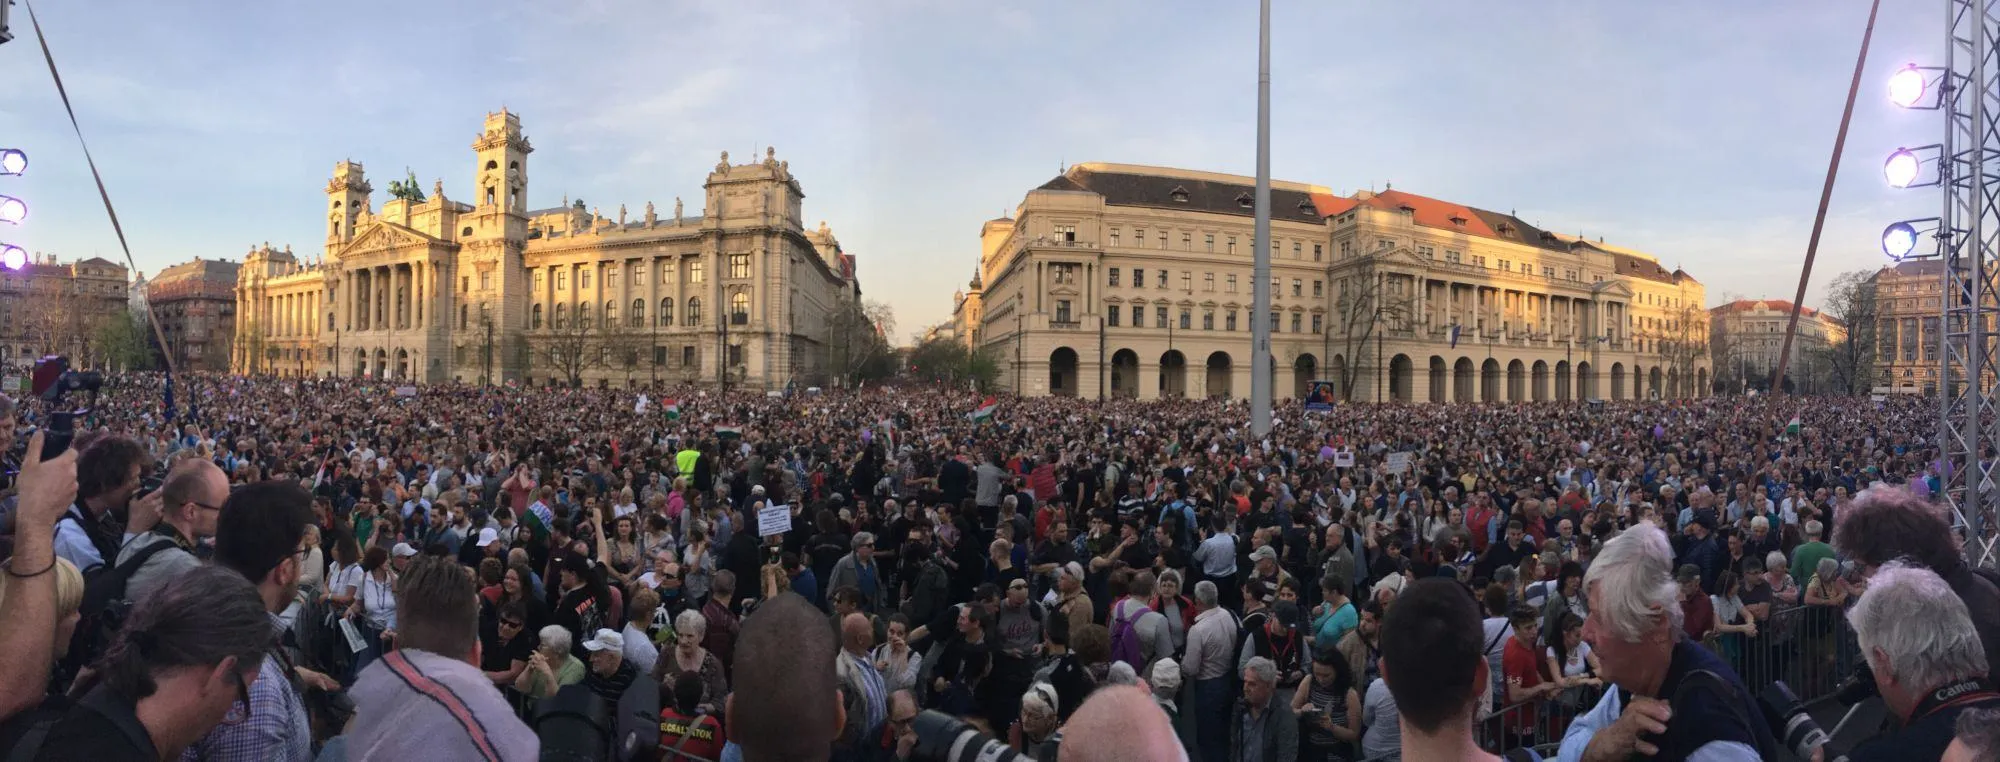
(183, 664)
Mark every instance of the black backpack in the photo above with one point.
(105, 605)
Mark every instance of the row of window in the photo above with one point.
(1112, 277)
(1164, 239)
(739, 269)
(1113, 314)
(739, 313)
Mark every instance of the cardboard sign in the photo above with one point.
(406, 391)
(1399, 462)
(1344, 458)
(774, 519)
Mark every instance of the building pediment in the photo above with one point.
(1615, 288)
(381, 235)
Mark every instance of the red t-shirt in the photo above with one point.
(1697, 616)
(704, 739)
(1522, 668)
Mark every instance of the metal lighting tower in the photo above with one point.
(1260, 244)
(1968, 234)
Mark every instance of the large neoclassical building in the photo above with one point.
(1129, 281)
(433, 288)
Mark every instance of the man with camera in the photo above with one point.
(1675, 699)
(191, 500)
(1926, 659)
(107, 476)
(1887, 523)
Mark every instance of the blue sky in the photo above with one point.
(1698, 131)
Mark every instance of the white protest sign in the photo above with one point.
(773, 520)
(1343, 459)
(1399, 462)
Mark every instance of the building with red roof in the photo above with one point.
(1116, 280)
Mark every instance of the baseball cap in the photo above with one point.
(605, 640)
(1073, 569)
(487, 537)
(403, 550)
(1265, 553)
(1687, 573)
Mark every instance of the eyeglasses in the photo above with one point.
(239, 712)
(200, 504)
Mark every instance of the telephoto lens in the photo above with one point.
(1787, 716)
(944, 738)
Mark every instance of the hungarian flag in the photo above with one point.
(1792, 429)
(673, 408)
(729, 432)
(985, 410)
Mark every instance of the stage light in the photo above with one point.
(13, 257)
(13, 210)
(1901, 168)
(1907, 86)
(13, 161)
(1899, 240)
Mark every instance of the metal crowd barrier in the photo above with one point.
(1810, 648)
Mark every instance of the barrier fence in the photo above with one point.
(1809, 648)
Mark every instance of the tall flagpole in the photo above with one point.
(1260, 279)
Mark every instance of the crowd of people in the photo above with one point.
(801, 575)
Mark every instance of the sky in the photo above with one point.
(1697, 131)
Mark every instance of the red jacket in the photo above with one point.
(1187, 609)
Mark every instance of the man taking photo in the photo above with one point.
(1926, 658)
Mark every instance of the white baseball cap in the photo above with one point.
(403, 550)
(487, 537)
(605, 640)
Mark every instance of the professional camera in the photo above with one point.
(1786, 715)
(944, 738)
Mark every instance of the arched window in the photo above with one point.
(610, 314)
(583, 316)
(491, 164)
(562, 316)
(535, 317)
(739, 308)
(638, 313)
(667, 312)
(694, 310)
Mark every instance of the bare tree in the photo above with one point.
(626, 346)
(857, 342)
(1682, 339)
(251, 343)
(569, 347)
(51, 319)
(1361, 312)
(1849, 360)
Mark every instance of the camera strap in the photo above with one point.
(1952, 694)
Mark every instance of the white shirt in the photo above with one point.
(1578, 659)
(639, 649)
(345, 580)
(378, 601)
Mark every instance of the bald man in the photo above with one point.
(786, 704)
(862, 687)
(1120, 724)
(190, 500)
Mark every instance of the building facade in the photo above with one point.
(436, 289)
(1909, 298)
(195, 304)
(1749, 334)
(53, 307)
(1128, 281)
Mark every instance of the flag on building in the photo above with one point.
(673, 409)
(1792, 428)
(1454, 336)
(985, 410)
